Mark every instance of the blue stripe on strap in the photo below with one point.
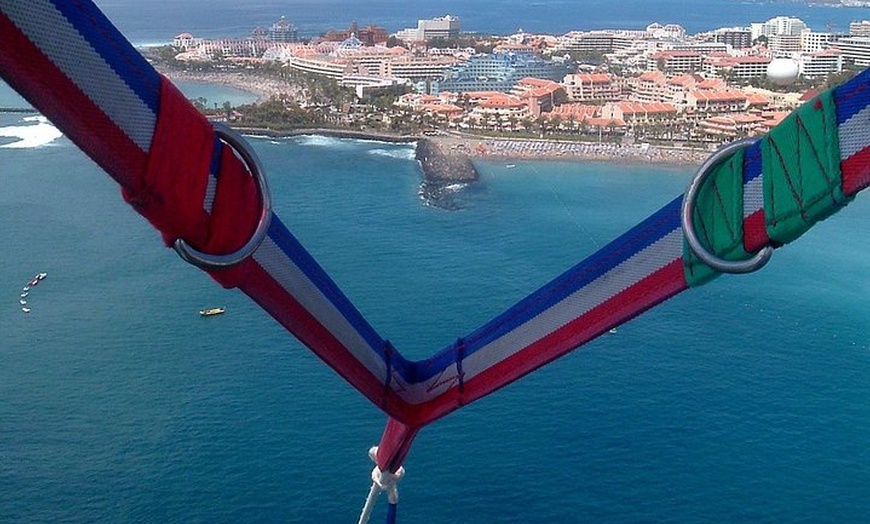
(294, 251)
(121, 56)
(643, 235)
(852, 97)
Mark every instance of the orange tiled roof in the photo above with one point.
(631, 108)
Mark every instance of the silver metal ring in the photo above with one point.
(210, 261)
(723, 266)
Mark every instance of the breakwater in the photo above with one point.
(449, 165)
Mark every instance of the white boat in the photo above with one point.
(22, 302)
(212, 311)
(25, 309)
(24, 294)
(40, 276)
(510, 166)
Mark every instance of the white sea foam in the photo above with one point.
(32, 135)
(322, 141)
(403, 153)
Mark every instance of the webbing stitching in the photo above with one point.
(773, 180)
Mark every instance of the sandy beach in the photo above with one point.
(264, 87)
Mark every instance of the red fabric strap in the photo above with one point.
(170, 193)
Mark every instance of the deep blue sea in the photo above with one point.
(747, 400)
(157, 21)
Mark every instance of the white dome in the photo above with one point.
(782, 71)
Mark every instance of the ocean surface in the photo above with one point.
(747, 400)
(158, 21)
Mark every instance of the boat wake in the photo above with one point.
(32, 135)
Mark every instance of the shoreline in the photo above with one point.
(453, 143)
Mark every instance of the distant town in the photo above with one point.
(656, 85)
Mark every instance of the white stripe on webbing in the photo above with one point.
(281, 268)
(59, 40)
(753, 196)
(854, 133)
(640, 266)
(210, 191)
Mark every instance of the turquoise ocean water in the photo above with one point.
(747, 400)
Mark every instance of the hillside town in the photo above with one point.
(627, 86)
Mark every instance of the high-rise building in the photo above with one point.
(856, 50)
(283, 31)
(861, 28)
(781, 25)
(442, 27)
(736, 37)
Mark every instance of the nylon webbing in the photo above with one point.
(72, 65)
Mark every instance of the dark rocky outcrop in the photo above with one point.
(444, 166)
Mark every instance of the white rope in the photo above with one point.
(381, 481)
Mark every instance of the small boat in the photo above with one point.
(40, 276)
(25, 309)
(25, 289)
(212, 311)
(612, 331)
(24, 294)
(22, 302)
(510, 166)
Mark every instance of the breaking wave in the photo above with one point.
(32, 135)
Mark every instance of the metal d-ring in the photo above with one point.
(210, 261)
(723, 266)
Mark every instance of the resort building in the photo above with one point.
(737, 67)
(497, 110)
(860, 28)
(650, 88)
(734, 37)
(821, 63)
(703, 104)
(186, 42)
(591, 87)
(417, 68)
(855, 49)
(675, 61)
(283, 31)
(781, 25)
(636, 115)
(500, 71)
(320, 65)
(541, 96)
(730, 127)
(812, 42)
(369, 35)
(785, 45)
(669, 31)
(442, 27)
(594, 42)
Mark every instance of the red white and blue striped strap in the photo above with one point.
(69, 61)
